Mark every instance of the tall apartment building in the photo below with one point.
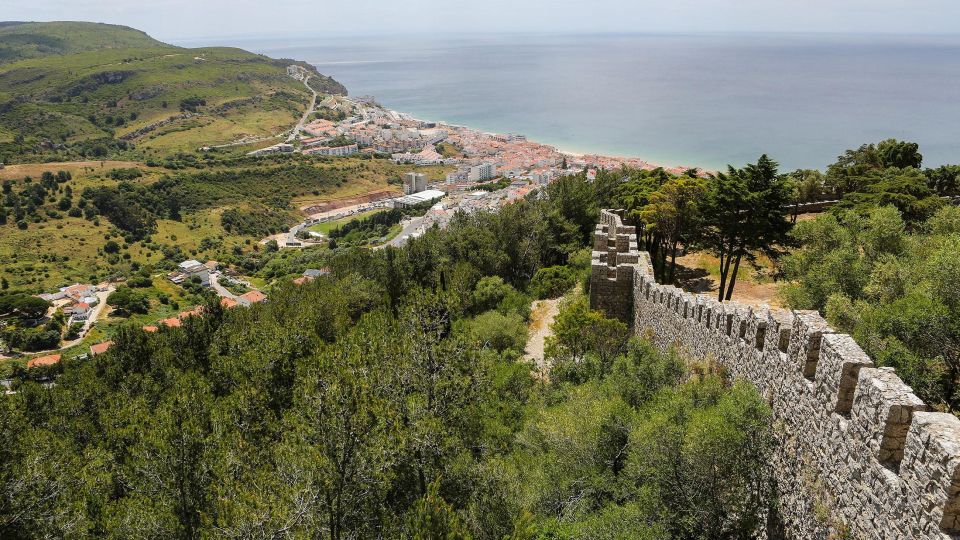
(481, 172)
(414, 182)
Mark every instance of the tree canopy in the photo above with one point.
(893, 288)
(386, 399)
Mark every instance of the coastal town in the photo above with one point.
(489, 169)
(485, 172)
(350, 125)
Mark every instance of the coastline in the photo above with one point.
(601, 160)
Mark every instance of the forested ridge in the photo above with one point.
(389, 400)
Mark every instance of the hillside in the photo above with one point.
(22, 40)
(46, 239)
(129, 99)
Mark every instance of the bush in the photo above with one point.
(552, 281)
(23, 305)
(498, 331)
(489, 292)
(41, 340)
(139, 281)
(74, 331)
(129, 301)
(125, 173)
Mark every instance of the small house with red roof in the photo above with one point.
(100, 348)
(172, 322)
(40, 361)
(251, 297)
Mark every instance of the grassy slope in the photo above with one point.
(328, 226)
(58, 102)
(61, 251)
(19, 41)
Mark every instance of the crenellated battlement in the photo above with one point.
(858, 451)
(615, 255)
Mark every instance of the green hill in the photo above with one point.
(20, 41)
(128, 96)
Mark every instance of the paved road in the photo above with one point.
(408, 230)
(303, 120)
(221, 290)
(290, 236)
(95, 314)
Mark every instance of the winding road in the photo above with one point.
(313, 105)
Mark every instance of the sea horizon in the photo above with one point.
(672, 99)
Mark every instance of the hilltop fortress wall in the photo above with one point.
(858, 454)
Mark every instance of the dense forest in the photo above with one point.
(389, 400)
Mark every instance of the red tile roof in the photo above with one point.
(44, 361)
(195, 312)
(228, 302)
(100, 348)
(301, 280)
(77, 289)
(254, 296)
(150, 328)
(172, 322)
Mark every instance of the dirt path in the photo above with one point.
(321, 208)
(542, 313)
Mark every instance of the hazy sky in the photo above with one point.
(185, 19)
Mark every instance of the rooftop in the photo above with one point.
(422, 197)
(186, 265)
(48, 360)
(100, 348)
(253, 296)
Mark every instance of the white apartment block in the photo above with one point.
(481, 172)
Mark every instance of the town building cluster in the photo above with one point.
(346, 126)
(77, 301)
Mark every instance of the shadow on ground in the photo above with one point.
(695, 280)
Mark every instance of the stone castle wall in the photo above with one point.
(858, 454)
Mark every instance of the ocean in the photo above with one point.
(695, 100)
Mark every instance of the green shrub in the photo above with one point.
(552, 281)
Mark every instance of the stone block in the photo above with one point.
(883, 407)
(804, 349)
(838, 371)
(931, 469)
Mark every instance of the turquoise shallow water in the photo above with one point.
(702, 100)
